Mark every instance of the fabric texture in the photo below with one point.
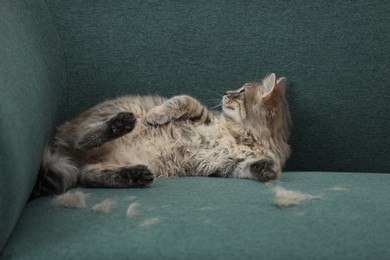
(32, 90)
(215, 218)
(60, 57)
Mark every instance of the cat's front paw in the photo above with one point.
(262, 170)
(157, 117)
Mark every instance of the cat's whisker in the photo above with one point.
(212, 99)
(219, 95)
(214, 107)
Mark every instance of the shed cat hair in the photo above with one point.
(288, 198)
(130, 141)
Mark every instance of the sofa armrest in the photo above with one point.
(32, 87)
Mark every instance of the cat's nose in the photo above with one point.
(226, 93)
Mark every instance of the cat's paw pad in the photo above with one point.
(157, 117)
(122, 124)
(133, 176)
(141, 176)
(262, 170)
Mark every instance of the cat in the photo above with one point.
(131, 140)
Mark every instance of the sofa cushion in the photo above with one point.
(213, 218)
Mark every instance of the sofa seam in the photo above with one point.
(67, 80)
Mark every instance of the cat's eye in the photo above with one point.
(234, 93)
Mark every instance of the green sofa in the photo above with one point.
(59, 57)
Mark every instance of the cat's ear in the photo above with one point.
(271, 91)
(281, 85)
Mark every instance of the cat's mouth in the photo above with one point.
(226, 102)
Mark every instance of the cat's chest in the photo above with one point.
(247, 144)
(246, 138)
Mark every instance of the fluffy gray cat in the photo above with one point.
(130, 141)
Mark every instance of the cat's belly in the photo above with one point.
(168, 151)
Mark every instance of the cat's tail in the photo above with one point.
(57, 174)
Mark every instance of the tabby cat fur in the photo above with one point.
(131, 140)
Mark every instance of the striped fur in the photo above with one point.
(129, 141)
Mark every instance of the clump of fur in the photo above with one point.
(71, 199)
(105, 206)
(338, 188)
(149, 222)
(133, 210)
(288, 198)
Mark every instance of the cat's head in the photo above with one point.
(260, 104)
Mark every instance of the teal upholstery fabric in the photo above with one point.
(32, 87)
(212, 218)
(59, 57)
(335, 56)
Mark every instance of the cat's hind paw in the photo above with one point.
(121, 124)
(137, 176)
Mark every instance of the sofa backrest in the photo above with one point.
(335, 55)
(32, 92)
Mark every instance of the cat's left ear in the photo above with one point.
(281, 85)
(271, 90)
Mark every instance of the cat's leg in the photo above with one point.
(102, 175)
(255, 169)
(178, 107)
(96, 134)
